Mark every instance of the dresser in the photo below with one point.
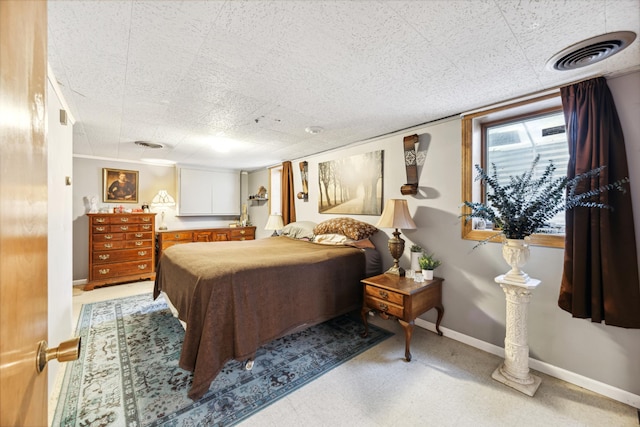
(402, 298)
(121, 248)
(166, 239)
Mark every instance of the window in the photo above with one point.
(510, 137)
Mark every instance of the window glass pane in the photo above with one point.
(514, 145)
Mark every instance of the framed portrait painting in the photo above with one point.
(119, 186)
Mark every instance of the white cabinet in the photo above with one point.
(203, 192)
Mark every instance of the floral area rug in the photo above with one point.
(128, 374)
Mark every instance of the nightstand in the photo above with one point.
(402, 298)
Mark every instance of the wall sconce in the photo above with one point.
(304, 176)
(396, 215)
(411, 165)
(162, 200)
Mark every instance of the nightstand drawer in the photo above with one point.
(384, 306)
(384, 294)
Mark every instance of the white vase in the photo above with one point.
(415, 265)
(427, 274)
(516, 253)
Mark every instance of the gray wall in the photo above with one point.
(152, 178)
(474, 303)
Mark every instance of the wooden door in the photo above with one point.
(23, 211)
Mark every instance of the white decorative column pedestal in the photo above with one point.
(514, 372)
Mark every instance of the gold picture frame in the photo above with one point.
(119, 186)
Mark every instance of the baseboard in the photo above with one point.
(79, 282)
(562, 374)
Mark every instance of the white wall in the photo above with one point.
(474, 303)
(59, 147)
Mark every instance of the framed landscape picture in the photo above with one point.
(119, 186)
(352, 185)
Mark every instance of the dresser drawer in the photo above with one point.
(97, 220)
(130, 219)
(105, 257)
(100, 229)
(384, 306)
(384, 294)
(108, 245)
(121, 269)
(123, 228)
(140, 235)
(242, 234)
(134, 244)
(174, 236)
(108, 237)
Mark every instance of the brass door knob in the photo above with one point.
(67, 351)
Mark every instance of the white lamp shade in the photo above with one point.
(396, 215)
(162, 200)
(274, 223)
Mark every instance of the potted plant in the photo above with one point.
(428, 263)
(416, 252)
(526, 204)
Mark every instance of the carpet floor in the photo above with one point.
(128, 370)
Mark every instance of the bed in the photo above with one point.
(236, 296)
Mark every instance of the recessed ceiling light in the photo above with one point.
(590, 51)
(148, 144)
(314, 130)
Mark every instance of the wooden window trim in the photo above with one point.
(471, 124)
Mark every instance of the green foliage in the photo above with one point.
(428, 262)
(527, 204)
(416, 248)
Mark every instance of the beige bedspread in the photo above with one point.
(236, 296)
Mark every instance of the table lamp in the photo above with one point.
(162, 200)
(396, 215)
(274, 223)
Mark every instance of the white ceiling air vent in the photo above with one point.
(590, 51)
(148, 144)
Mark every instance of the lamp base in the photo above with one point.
(163, 227)
(397, 271)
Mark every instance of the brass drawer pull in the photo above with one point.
(100, 228)
(146, 227)
(103, 257)
(108, 245)
(142, 266)
(384, 294)
(103, 271)
(139, 234)
(242, 238)
(125, 219)
(177, 236)
(139, 243)
(108, 236)
(142, 253)
(124, 227)
(146, 219)
(100, 220)
(242, 232)
(383, 306)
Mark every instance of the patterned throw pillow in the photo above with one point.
(352, 228)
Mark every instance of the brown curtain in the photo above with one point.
(288, 194)
(600, 277)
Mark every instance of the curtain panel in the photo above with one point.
(600, 276)
(288, 203)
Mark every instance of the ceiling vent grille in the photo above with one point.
(148, 144)
(590, 51)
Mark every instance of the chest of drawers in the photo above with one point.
(121, 248)
(167, 239)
